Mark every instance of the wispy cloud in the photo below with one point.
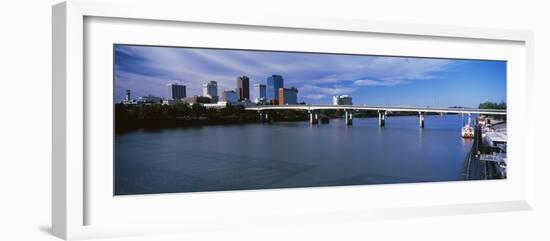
(315, 96)
(146, 70)
(370, 82)
(315, 92)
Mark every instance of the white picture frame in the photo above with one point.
(72, 190)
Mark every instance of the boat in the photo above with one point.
(468, 130)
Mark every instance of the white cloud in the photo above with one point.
(316, 93)
(370, 82)
(311, 73)
(316, 96)
(334, 90)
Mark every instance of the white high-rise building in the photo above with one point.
(259, 93)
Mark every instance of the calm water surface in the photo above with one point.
(284, 155)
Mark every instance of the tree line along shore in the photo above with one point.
(131, 117)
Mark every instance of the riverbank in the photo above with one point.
(132, 117)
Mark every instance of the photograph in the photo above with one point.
(194, 119)
(275, 120)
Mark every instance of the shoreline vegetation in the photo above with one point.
(156, 116)
(131, 117)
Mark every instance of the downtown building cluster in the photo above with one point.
(272, 93)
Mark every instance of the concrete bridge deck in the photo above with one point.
(378, 108)
(382, 111)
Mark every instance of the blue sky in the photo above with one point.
(371, 80)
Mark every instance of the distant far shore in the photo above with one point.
(133, 117)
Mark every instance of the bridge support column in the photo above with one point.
(349, 117)
(381, 118)
(264, 117)
(421, 119)
(313, 117)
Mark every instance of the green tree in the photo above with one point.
(492, 105)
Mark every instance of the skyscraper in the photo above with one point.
(274, 83)
(258, 91)
(243, 88)
(210, 90)
(176, 91)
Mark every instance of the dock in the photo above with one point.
(487, 157)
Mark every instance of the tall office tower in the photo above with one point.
(243, 88)
(127, 97)
(258, 91)
(176, 91)
(274, 83)
(288, 96)
(210, 89)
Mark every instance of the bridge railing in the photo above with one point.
(378, 108)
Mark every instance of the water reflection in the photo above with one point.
(292, 154)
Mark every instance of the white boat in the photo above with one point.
(468, 130)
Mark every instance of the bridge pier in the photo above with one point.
(381, 118)
(421, 119)
(349, 117)
(264, 117)
(313, 117)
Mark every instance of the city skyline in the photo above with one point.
(377, 80)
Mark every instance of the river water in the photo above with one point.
(290, 154)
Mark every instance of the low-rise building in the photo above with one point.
(149, 99)
(230, 96)
(218, 105)
(171, 102)
(197, 99)
(342, 100)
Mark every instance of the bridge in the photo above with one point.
(314, 111)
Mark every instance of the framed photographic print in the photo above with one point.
(176, 121)
(321, 120)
